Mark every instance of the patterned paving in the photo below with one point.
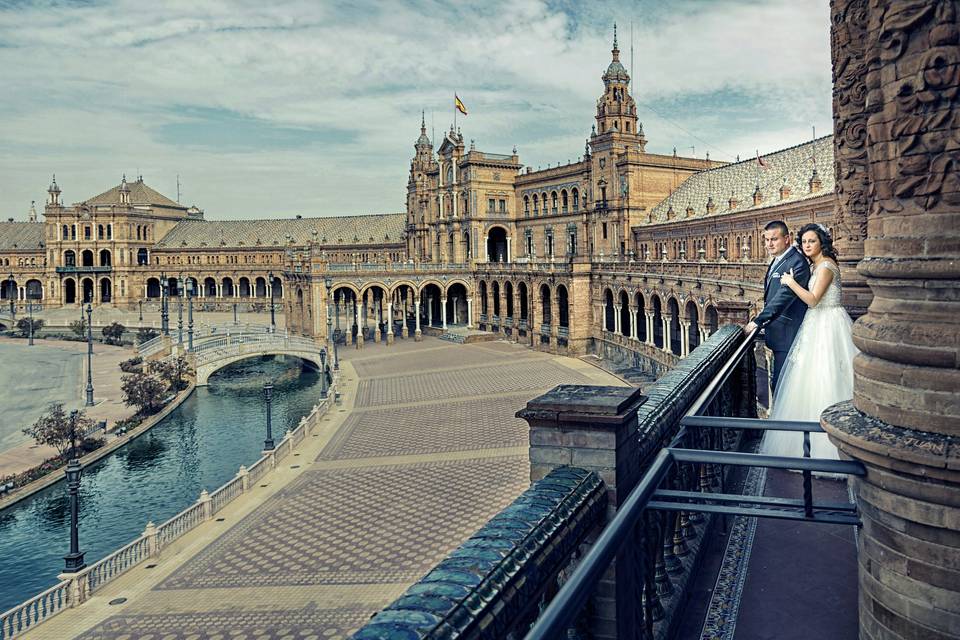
(310, 623)
(487, 423)
(376, 524)
(465, 356)
(517, 376)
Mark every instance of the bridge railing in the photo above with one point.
(74, 589)
(151, 346)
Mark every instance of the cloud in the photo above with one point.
(313, 108)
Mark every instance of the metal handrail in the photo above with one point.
(573, 595)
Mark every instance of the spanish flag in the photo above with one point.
(458, 103)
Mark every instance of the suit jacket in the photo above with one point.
(783, 311)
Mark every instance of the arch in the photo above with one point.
(87, 287)
(260, 287)
(657, 320)
(143, 258)
(456, 308)
(536, 200)
(553, 202)
(608, 320)
(34, 289)
(483, 297)
(712, 319)
(576, 198)
(244, 287)
(497, 244)
(209, 287)
(563, 307)
(9, 290)
(624, 300)
(226, 286)
(106, 290)
(693, 332)
(277, 287)
(673, 308)
(508, 298)
(86, 258)
(105, 259)
(564, 201)
(430, 309)
(69, 258)
(495, 294)
(69, 291)
(205, 371)
(545, 306)
(192, 286)
(641, 316)
(173, 287)
(153, 287)
(526, 206)
(524, 300)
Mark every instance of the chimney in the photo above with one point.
(670, 212)
(815, 183)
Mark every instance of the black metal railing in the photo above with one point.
(664, 510)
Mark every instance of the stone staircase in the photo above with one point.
(459, 338)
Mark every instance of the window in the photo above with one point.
(529, 245)
(604, 230)
(66, 233)
(491, 205)
(576, 200)
(553, 208)
(535, 206)
(526, 206)
(503, 206)
(110, 237)
(86, 233)
(563, 200)
(73, 232)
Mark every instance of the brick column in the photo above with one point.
(733, 312)
(594, 428)
(904, 419)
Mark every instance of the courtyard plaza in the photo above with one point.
(423, 450)
(54, 371)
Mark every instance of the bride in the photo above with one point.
(819, 369)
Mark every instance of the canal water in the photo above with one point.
(200, 445)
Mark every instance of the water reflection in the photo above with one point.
(198, 446)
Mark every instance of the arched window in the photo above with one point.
(66, 233)
(73, 232)
(139, 237)
(100, 232)
(563, 200)
(104, 258)
(142, 257)
(110, 232)
(535, 200)
(553, 203)
(69, 258)
(576, 200)
(526, 206)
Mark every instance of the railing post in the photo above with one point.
(594, 428)
(207, 506)
(150, 533)
(76, 592)
(242, 473)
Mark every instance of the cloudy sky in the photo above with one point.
(306, 107)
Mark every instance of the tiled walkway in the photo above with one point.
(425, 450)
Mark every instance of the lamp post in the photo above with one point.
(273, 321)
(164, 317)
(323, 373)
(12, 294)
(180, 311)
(89, 402)
(268, 395)
(189, 314)
(235, 313)
(73, 561)
(30, 311)
(336, 362)
(140, 305)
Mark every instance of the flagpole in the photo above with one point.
(454, 112)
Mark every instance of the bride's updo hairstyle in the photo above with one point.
(826, 240)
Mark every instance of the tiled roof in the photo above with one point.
(140, 194)
(21, 235)
(345, 230)
(792, 167)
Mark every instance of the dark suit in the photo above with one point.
(783, 311)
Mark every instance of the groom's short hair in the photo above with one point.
(779, 225)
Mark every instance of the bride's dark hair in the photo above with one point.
(826, 241)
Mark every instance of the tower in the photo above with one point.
(32, 216)
(616, 109)
(53, 193)
(124, 191)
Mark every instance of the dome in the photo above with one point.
(423, 140)
(616, 72)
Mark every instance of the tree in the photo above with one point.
(172, 371)
(145, 334)
(60, 429)
(144, 391)
(113, 333)
(23, 326)
(79, 327)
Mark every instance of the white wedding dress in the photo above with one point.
(818, 372)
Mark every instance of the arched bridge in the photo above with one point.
(214, 354)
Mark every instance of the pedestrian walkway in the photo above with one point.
(54, 371)
(423, 451)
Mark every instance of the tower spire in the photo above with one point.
(616, 49)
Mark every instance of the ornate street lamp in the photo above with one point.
(268, 394)
(73, 561)
(235, 313)
(12, 294)
(323, 373)
(336, 361)
(164, 316)
(89, 355)
(180, 311)
(273, 321)
(140, 305)
(30, 311)
(189, 314)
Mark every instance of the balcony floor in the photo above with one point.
(780, 579)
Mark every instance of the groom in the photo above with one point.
(782, 311)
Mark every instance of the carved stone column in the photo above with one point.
(904, 420)
(847, 33)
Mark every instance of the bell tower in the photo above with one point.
(616, 109)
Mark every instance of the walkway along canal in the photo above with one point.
(200, 445)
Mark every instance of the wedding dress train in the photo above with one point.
(818, 372)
